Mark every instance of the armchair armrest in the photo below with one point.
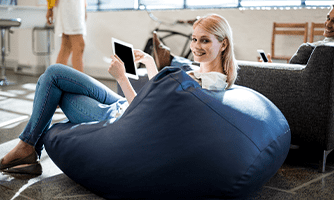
(273, 80)
(304, 94)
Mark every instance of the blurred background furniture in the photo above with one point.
(303, 92)
(37, 35)
(288, 29)
(5, 25)
(317, 29)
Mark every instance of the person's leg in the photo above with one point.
(161, 53)
(65, 50)
(83, 109)
(78, 46)
(57, 80)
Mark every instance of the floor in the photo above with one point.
(298, 178)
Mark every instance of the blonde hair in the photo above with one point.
(218, 26)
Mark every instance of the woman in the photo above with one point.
(83, 99)
(70, 24)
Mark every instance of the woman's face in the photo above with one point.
(205, 46)
(329, 24)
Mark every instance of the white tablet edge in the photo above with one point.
(113, 40)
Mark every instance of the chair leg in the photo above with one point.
(322, 164)
(3, 78)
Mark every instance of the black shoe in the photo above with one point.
(31, 159)
(33, 169)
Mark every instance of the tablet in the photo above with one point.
(125, 52)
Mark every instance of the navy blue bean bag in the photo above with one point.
(175, 141)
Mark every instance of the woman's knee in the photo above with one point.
(79, 47)
(81, 43)
(78, 43)
(55, 69)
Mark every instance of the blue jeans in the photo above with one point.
(81, 98)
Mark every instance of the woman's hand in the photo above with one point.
(116, 68)
(49, 16)
(141, 56)
(269, 58)
(147, 60)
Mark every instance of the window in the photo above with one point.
(117, 4)
(102, 5)
(8, 2)
(198, 4)
(250, 3)
(163, 4)
(211, 3)
(319, 3)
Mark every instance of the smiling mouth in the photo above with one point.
(198, 54)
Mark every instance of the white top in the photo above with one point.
(70, 17)
(210, 80)
(324, 41)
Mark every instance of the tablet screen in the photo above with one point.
(125, 52)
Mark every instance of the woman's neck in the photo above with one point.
(213, 66)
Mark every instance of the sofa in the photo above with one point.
(303, 90)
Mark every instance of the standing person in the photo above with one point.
(70, 24)
(84, 99)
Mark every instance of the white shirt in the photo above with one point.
(210, 80)
(324, 41)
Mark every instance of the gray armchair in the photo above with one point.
(303, 91)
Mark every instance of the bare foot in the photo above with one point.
(21, 150)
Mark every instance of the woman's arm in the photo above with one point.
(127, 88)
(117, 70)
(148, 61)
(49, 13)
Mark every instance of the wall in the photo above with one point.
(252, 30)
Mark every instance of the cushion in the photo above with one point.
(176, 141)
(303, 54)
